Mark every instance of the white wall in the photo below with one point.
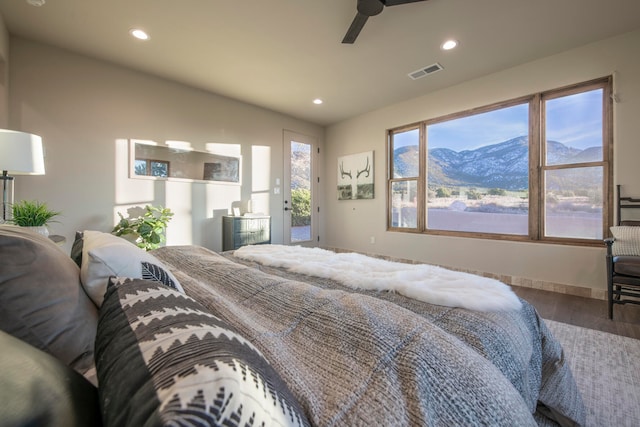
(86, 110)
(351, 224)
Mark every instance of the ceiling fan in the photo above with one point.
(365, 9)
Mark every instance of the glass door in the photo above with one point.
(298, 188)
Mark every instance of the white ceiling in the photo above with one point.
(281, 54)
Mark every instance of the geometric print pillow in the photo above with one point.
(162, 359)
(627, 241)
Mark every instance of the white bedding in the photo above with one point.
(435, 285)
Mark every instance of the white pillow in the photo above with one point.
(105, 255)
(627, 241)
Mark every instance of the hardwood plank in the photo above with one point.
(586, 312)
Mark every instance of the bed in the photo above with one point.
(116, 336)
(367, 357)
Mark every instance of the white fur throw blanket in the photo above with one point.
(431, 284)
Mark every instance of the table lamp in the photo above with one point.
(20, 154)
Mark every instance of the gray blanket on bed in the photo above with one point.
(365, 358)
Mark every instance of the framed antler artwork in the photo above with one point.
(355, 176)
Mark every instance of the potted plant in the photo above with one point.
(147, 230)
(37, 215)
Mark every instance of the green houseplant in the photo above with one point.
(27, 213)
(147, 230)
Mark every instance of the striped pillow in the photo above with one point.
(627, 241)
(162, 359)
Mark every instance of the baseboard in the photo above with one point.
(524, 282)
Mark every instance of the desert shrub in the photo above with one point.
(443, 192)
(497, 192)
(473, 194)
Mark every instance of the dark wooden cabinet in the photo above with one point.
(245, 230)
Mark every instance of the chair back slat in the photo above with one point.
(631, 223)
(626, 203)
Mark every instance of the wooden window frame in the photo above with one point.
(537, 166)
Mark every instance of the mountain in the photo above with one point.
(504, 165)
(406, 161)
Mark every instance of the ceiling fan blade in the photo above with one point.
(397, 2)
(355, 28)
(367, 8)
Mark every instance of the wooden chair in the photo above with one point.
(623, 257)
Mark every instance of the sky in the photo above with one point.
(575, 121)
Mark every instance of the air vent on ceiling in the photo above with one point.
(429, 69)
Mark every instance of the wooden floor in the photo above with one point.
(586, 312)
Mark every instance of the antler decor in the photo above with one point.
(367, 170)
(343, 173)
(355, 182)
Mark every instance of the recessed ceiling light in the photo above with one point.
(36, 2)
(139, 34)
(317, 101)
(449, 44)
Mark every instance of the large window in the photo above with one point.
(534, 168)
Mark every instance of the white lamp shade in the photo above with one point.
(21, 153)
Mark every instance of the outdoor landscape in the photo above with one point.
(300, 192)
(493, 179)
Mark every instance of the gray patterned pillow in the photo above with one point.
(162, 359)
(627, 241)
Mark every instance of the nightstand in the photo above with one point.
(245, 230)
